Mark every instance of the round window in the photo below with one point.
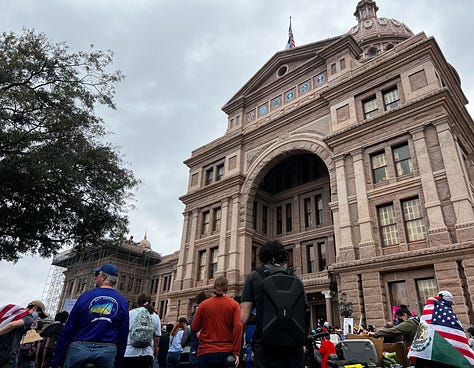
(282, 71)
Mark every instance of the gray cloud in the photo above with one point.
(183, 60)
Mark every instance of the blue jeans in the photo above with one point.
(80, 353)
(213, 360)
(173, 359)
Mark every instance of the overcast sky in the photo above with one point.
(183, 60)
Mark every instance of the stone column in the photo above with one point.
(222, 236)
(438, 232)
(345, 249)
(232, 270)
(367, 243)
(457, 184)
(328, 294)
(180, 264)
(186, 255)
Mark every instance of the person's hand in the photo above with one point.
(236, 360)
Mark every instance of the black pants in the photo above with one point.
(142, 361)
(279, 358)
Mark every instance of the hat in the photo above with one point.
(446, 295)
(108, 268)
(30, 336)
(182, 319)
(41, 308)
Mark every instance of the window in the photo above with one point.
(209, 176)
(216, 223)
(425, 288)
(379, 167)
(163, 307)
(201, 265)
(388, 226)
(310, 257)
(290, 257)
(279, 220)
(308, 218)
(398, 293)
(370, 107)
(288, 217)
(254, 257)
(413, 217)
(321, 256)
(264, 219)
(138, 286)
(130, 284)
(213, 266)
(214, 173)
(342, 63)
(206, 217)
(391, 98)
(219, 172)
(318, 203)
(166, 286)
(402, 158)
(333, 68)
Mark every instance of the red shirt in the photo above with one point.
(218, 320)
(327, 348)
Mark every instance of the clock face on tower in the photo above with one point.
(262, 110)
(290, 95)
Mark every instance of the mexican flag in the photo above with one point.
(430, 345)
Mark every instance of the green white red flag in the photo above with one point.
(440, 336)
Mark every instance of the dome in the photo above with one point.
(376, 35)
(145, 243)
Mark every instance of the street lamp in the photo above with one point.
(345, 307)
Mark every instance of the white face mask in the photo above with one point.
(35, 315)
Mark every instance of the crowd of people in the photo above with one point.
(221, 332)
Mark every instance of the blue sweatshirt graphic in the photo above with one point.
(99, 315)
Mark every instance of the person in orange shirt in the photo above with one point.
(218, 321)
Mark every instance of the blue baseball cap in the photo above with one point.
(109, 269)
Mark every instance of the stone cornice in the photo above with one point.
(450, 251)
(231, 185)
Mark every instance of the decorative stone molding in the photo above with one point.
(262, 163)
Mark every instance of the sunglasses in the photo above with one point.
(97, 273)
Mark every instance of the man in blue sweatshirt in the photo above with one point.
(97, 328)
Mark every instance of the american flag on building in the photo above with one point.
(291, 40)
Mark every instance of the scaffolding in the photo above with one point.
(53, 288)
(76, 264)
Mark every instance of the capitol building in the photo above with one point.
(356, 152)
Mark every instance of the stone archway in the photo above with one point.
(274, 153)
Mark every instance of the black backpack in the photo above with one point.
(282, 308)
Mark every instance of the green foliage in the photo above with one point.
(60, 185)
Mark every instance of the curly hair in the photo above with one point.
(272, 252)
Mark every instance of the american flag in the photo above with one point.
(12, 312)
(439, 313)
(291, 40)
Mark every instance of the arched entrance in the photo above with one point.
(288, 198)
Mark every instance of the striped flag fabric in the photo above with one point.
(291, 40)
(440, 336)
(12, 312)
